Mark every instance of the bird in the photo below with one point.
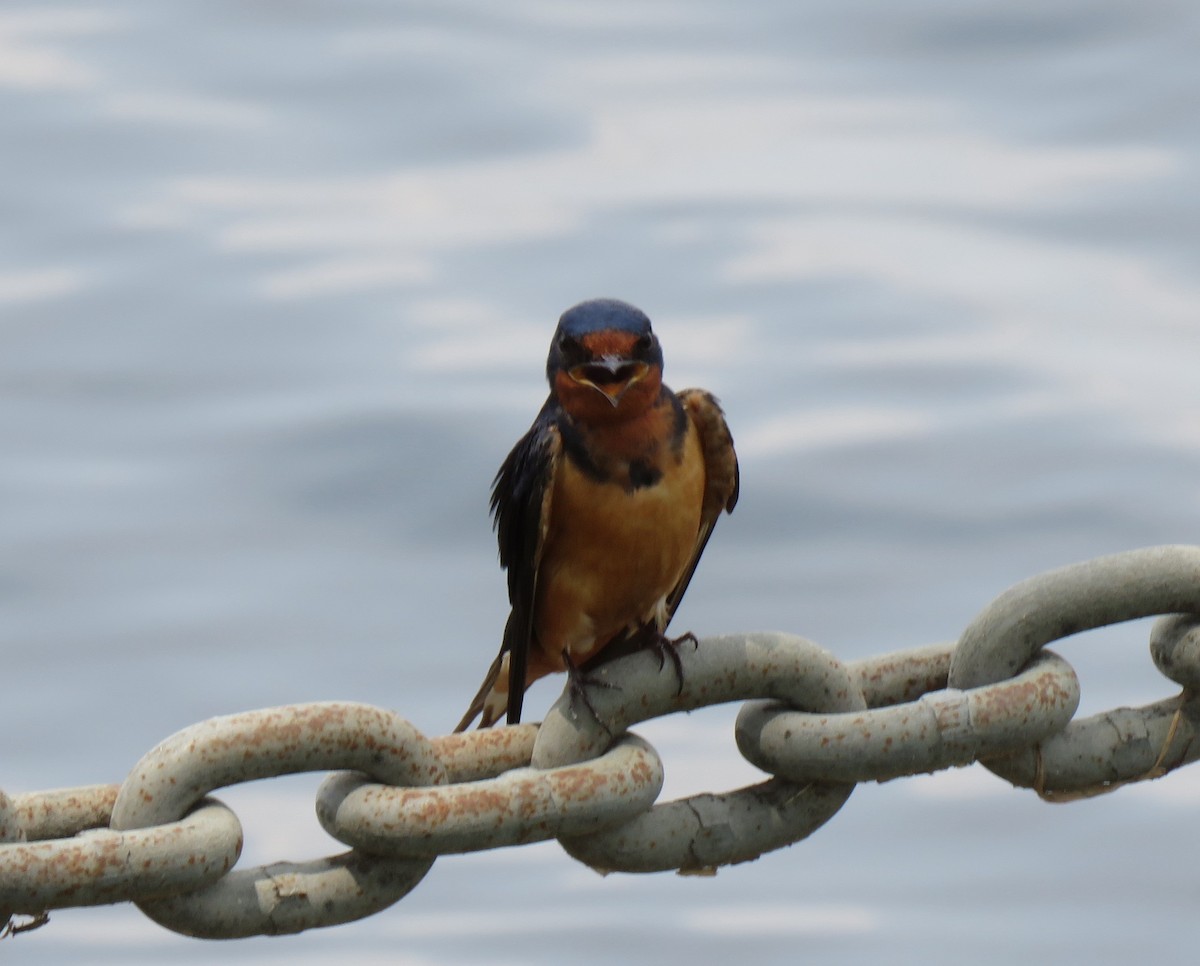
(603, 508)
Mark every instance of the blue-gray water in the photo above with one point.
(276, 285)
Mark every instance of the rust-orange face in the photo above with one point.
(605, 361)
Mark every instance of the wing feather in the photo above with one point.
(520, 506)
(722, 478)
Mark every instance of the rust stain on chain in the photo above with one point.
(1020, 701)
(579, 783)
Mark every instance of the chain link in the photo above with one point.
(289, 896)
(102, 865)
(816, 725)
(517, 807)
(697, 834)
(1106, 750)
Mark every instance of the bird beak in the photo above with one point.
(611, 376)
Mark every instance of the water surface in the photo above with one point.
(276, 291)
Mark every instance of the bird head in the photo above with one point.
(605, 361)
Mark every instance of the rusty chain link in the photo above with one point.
(817, 726)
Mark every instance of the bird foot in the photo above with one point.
(668, 647)
(578, 681)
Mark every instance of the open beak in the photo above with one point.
(612, 376)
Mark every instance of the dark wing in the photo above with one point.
(722, 479)
(521, 515)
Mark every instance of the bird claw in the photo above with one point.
(578, 681)
(666, 647)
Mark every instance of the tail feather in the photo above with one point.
(480, 705)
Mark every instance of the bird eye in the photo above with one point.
(566, 343)
(643, 343)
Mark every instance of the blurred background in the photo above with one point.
(276, 286)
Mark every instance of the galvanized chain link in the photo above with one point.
(816, 725)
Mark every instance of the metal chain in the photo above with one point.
(816, 725)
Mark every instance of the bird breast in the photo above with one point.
(613, 553)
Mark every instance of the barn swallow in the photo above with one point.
(603, 508)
